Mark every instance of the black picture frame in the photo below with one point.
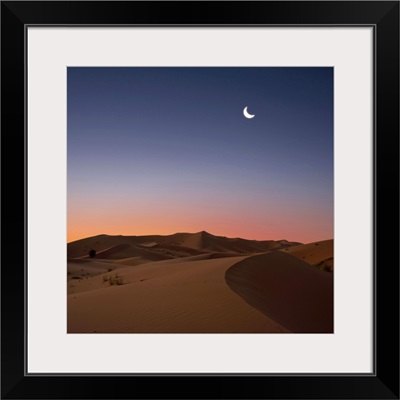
(383, 16)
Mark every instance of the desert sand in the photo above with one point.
(286, 289)
(319, 254)
(197, 283)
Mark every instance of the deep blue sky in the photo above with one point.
(159, 150)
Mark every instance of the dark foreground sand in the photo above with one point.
(286, 289)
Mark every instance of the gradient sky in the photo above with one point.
(165, 150)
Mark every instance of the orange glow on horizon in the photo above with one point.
(130, 228)
(91, 217)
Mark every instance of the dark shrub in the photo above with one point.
(92, 253)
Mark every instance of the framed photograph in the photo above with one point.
(210, 200)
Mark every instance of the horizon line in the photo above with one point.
(192, 233)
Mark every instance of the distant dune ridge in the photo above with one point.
(198, 283)
(170, 246)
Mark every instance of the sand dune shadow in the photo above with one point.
(286, 289)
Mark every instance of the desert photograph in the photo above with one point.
(200, 200)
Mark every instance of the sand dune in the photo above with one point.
(206, 241)
(198, 283)
(187, 296)
(87, 268)
(278, 244)
(156, 248)
(148, 244)
(319, 254)
(130, 261)
(119, 250)
(286, 289)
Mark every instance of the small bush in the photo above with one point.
(325, 265)
(92, 253)
(117, 280)
(327, 268)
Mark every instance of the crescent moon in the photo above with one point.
(246, 114)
